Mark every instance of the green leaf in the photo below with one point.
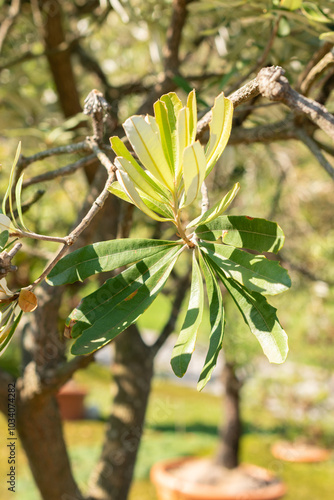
(123, 152)
(18, 190)
(328, 36)
(119, 302)
(255, 272)
(185, 344)
(217, 322)
(161, 208)
(192, 106)
(220, 130)
(5, 342)
(148, 148)
(103, 257)
(284, 27)
(130, 189)
(260, 317)
(291, 4)
(161, 116)
(173, 106)
(183, 139)
(194, 166)
(314, 13)
(217, 209)
(116, 189)
(8, 194)
(4, 235)
(244, 232)
(139, 178)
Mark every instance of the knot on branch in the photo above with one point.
(272, 83)
(98, 108)
(6, 260)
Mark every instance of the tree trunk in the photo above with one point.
(228, 450)
(40, 431)
(132, 370)
(59, 59)
(38, 420)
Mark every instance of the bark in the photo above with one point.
(59, 61)
(38, 421)
(228, 450)
(40, 431)
(132, 370)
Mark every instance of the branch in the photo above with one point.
(9, 20)
(326, 62)
(79, 147)
(174, 35)
(6, 260)
(317, 56)
(245, 93)
(63, 373)
(61, 172)
(316, 151)
(74, 235)
(274, 86)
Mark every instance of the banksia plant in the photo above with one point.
(164, 182)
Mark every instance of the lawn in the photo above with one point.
(181, 421)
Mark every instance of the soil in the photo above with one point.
(206, 472)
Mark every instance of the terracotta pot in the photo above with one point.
(172, 487)
(299, 452)
(71, 401)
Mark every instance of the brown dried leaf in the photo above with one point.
(27, 300)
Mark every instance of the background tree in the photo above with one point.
(53, 55)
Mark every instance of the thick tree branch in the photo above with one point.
(274, 86)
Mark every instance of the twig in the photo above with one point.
(316, 151)
(74, 235)
(9, 20)
(326, 62)
(61, 172)
(30, 202)
(6, 260)
(29, 55)
(78, 147)
(317, 56)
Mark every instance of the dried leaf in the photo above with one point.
(27, 300)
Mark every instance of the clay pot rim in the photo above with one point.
(160, 476)
(288, 451)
